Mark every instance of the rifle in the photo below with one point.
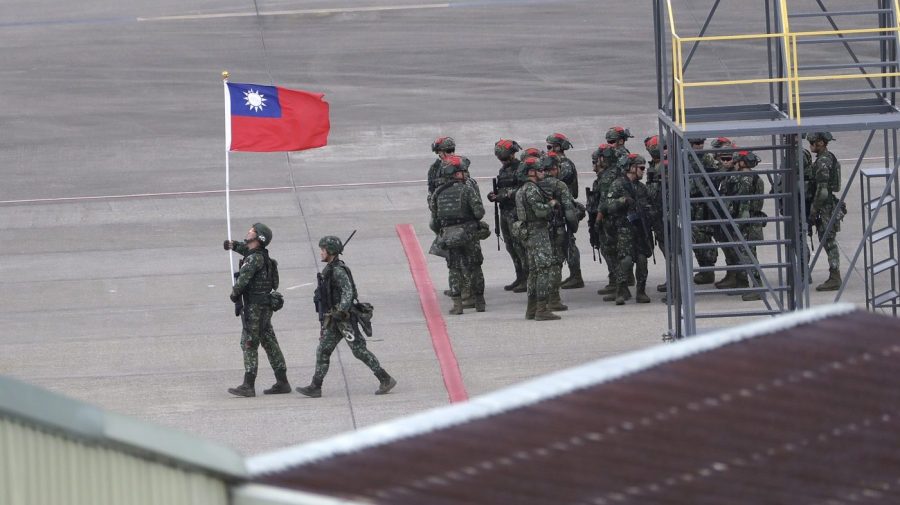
(496, 212)
(640, 214)
(238, 305)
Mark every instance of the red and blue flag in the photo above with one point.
(272, 118)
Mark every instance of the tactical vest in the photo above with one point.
(333, 297)
(450, 204)
(834, 176)
(262, 283)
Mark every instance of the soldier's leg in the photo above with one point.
(327, 343)
(476, 277)
(513, 249)
(640, 274)
(250, 338)
(625, 247)
(833, 283)
(610, 255)
(269, 341)
(362, 353)
(573, 258)
(705, 257)
(732, 257)
(543, 287)
(754, 279)
(554, 302)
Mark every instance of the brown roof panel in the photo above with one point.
(803, 413)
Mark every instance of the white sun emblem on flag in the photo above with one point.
(255, 100)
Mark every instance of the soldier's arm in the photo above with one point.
(475, 203)
(274, 273)
(541, 208)
(822, 175)
(575, 179)
(241, 248)
(520, 206)
(615, 199)
(343, 280)
(249, 268)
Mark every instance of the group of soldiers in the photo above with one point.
(538, 215)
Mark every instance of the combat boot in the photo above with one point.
(555, 304)
(531, 308)
(749, 297)
(729, 281)
(246, 389)
(541, 313)
(833, 283)
(740, 280)
(313, 390)
(641, 295)
(662, 288)
(608, 289)
(386, 382)
(574, 281)
(521, 287)
(468, 301)
(457, 306)
(704, 277)
(480, 305)
(281, 385)
(631, 280)
(519, 280)
(620, 294)
(447, 292)
(615, 294)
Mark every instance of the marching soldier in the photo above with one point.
(746, 183)
(455, 214)
(627, 205)
(533, 209)
(257, 278)
(508, 181)
(337, 292)
(826, 177)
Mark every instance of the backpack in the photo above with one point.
(834, 177)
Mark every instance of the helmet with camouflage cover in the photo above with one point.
(550, 161)
(652, 145)
(721, 142)
(505, 148)
(452, 163)
(816, 136)
(331, 244)
(532, 163)
(602, 151)
(443, 145)
(748, 157)
(617, 133)
(558, 139)
(531, 152)
(263, 234)
(633, 159)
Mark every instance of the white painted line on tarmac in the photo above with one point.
(337, 10)
(299, 286)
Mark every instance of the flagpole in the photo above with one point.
(227, 171)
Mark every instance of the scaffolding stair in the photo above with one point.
(882, 244)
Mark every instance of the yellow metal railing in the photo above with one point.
(792, 78)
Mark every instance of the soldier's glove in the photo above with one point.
(339, 315)
(491, 197)
(235, 297)
(228, 244)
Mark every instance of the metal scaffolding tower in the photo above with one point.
(806, 93)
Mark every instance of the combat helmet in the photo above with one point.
(748, 157)
(720, 142)
(532, 163)
(452, 163)
(531, 152)
(263, 234)
(505, 148)
(816, 136)
(652, 145)
(443, 145)
(331, 244)
(558, 139)
(696, 140)
(605, 151)
(631, 160)
(550, 161)
(617, 133)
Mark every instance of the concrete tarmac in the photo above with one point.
(114, 288)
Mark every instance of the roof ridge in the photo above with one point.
(530, 392)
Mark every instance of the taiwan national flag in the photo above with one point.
(271, 118)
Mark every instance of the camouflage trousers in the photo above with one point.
(704, 235)
(515, 248)
(541, 262)
(609, 252)
(466, 275)
(573, 255)
(632, 255)
(659, 233)
(257, 329)
(750, 232)
(725, 233)
(332, 334)
(830, 239)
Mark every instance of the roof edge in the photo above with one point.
(530, 392)
(81, 421)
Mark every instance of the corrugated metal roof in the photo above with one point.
(794, 410)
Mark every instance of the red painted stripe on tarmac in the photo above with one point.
(440, 339)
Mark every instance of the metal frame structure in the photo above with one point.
(797, 104)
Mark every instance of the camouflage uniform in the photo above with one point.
(509, 180)
(457, 204)
(595, 205)
(631, 245)
(258, 276)
(560, 239)
(823, 204)
(533, 210)
(341, 292)
(703, 234)
(745, 182)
